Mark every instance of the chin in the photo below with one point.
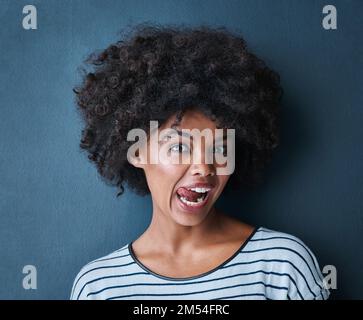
(188, 220)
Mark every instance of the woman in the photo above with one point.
(188, 79)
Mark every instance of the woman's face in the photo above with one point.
(184, 191)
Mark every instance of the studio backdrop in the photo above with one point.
(56, 213)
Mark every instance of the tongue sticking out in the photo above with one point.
(188, 194)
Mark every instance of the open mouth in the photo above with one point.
(194, 197)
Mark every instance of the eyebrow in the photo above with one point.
(172, 132)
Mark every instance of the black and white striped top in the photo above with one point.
(269, 265)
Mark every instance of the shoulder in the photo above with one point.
(275, 243)
(287, 255)
(91, 277)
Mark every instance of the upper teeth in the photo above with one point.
(200, 190)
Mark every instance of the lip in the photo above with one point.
(199, 185)
(194, 208)
(197, 207)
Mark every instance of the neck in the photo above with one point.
(175, 238)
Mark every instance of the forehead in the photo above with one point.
(192, 119)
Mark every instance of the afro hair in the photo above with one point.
(155, 72)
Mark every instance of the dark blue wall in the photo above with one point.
(57, 214)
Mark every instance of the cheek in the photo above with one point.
(162, 178)
(167, 171)
(222, 181)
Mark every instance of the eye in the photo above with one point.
(179, 147)
(221, 149)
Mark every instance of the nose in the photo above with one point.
(202, 164)
(203, 169)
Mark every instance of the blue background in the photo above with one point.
(57, 214)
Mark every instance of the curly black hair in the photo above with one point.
(155, 72)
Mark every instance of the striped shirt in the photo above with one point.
(268, 265)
